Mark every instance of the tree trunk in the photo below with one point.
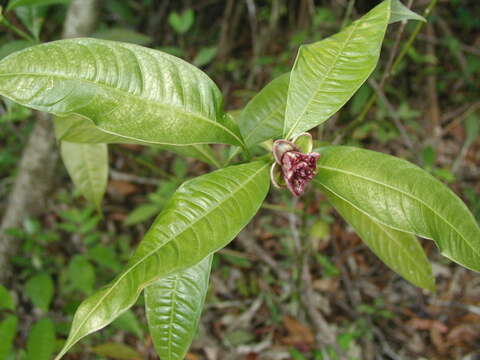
(35, 175)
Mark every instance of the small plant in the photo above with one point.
(108, 92)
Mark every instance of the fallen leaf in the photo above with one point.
(464, 333)
(427, 324)
(299, 335)
(122, 187)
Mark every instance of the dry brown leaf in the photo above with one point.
(299, 335)
(427, 324)
(192, 356)
(122, 187)
(464, 333)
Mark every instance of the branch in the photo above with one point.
(392, 72)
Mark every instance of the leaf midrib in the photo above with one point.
(261, 122)
(180, 110)
(297, 121)
(404, 193)
(382, 226)
(151, 253)
(172, 313)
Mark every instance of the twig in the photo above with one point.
(325, 334)
(458, 54)
(246, 241)
(348, 13)
(433, 125)
(293, 222)
(354, 124)
(118, 175)
(393, 114)
(10, 26)
(459, 116)
(393, 52)
(465, 48)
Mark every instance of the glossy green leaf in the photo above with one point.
(399, 250)
(12, 46)
(117, 351)
(87, 165)
(6, 300)
(184, 233)
(81, 130)
(173, 307)
(263, 116)
(400, 12)
(401, 195)
(41, 340)
(8, 330)
(40, 289)
(327, 73)
(16, 3)
(124, 89)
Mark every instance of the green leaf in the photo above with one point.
(6, 300)
(41, 340)
(87, 165)
(122, 34)
(16, 3)
(399, 250)
(327, 73)
(32, 17)
(142, 213)
(40, 289)
(8, 330)
(205, 56)
(181, 23)
(262, 118)
(400, 12)
(472, 128)
(105, 256)
(128, 322)
(81, 130)
(117, 351)
(81, 274)
(12, 46)
(173, 307)
(124, 89)
(402, 196)
(203, 215)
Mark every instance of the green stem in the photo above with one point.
(10, 26)
(348, 13)
(412, 37)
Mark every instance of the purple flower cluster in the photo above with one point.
(297, 169)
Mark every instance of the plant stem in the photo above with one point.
(373, 98)
(10, 26)
(348, 13)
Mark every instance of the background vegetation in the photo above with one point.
(289, 281)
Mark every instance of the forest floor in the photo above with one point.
(298, 275)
